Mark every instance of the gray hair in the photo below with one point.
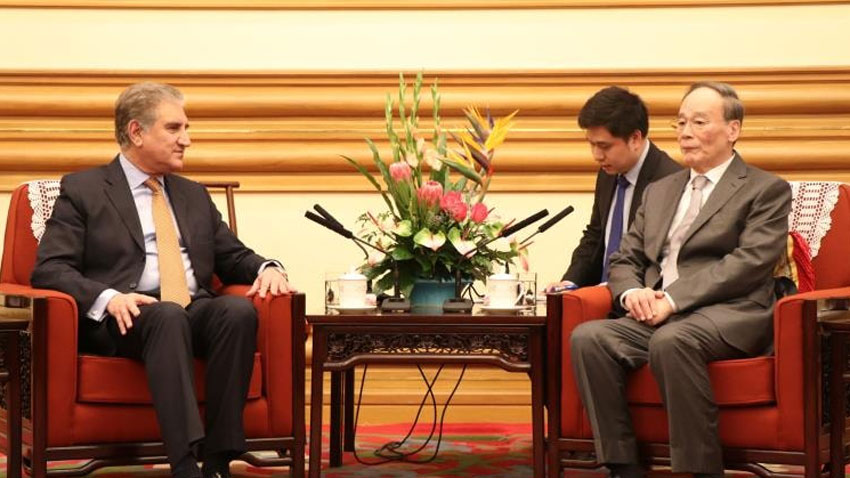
(139, 102)
(733, 108)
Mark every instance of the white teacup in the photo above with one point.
(504, 290)
(352, 290)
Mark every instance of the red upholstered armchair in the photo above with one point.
(771, 407)
(98, 408)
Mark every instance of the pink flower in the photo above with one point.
(400, 171)
(479, 213)
(449, 200)
(459, 210)
(430, 193)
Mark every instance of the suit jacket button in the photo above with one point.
(133, 285)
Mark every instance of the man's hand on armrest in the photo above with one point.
(272, 280)
(562, 286)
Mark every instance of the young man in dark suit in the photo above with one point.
(137, 246)
(616, 123)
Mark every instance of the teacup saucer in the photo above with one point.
(507, 310)
(353, 310)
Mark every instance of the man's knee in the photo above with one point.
(165, 316)
(587, 335)
(670, 343)
(236, 314)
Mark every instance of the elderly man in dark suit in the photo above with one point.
(693, 284)
(137, 247)
(616, 124)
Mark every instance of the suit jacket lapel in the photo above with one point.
(606, 190)
(118, 191)
(646, 171)
(732, 180)
(666, 210)
(180, 206)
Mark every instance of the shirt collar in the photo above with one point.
(632, 174)
(714, 174)
(135, 176)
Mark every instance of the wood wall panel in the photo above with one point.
(392, 4)
(285, 131)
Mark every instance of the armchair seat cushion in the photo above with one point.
(123, 381)
(741, 382)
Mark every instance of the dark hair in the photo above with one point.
(139, 102)
(733, 109)
(618, 110)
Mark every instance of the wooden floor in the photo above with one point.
(393, 394)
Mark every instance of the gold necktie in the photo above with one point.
(172, 274)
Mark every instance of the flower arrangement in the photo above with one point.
(436, 217)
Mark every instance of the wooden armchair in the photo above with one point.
(98, 408)
(772, 408)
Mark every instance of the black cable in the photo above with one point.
(389, 451)
(393, 446)
(386, 459)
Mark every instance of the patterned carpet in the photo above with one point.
(476, 450)
(471, 450)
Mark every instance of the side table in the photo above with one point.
(512, 342)
(15, 317)
(836, 324)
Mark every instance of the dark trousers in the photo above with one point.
(678, 352)
(223, 331)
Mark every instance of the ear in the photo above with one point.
(635, 140)
(134, 131)
(733, 130)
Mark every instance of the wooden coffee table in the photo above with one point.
(340, 342)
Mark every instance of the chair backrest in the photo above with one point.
(830, 263)
(20, 244)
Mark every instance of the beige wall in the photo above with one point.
(603, 38)
(607, 39)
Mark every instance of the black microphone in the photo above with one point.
(389, 304)
(525, 222)
(551, 222)
(325, 214)
(328, 224)
(460, 305)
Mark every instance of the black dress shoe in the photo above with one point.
(626, 470)
(186, 468)
(216, 466)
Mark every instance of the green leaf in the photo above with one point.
(371, 179)
(401, 254)
(464, 170)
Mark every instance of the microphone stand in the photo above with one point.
(460, 305)
(396, 303)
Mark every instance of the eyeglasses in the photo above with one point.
(696, 124)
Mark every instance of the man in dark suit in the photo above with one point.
(616, 123)
(692, 283)
(137, 247)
